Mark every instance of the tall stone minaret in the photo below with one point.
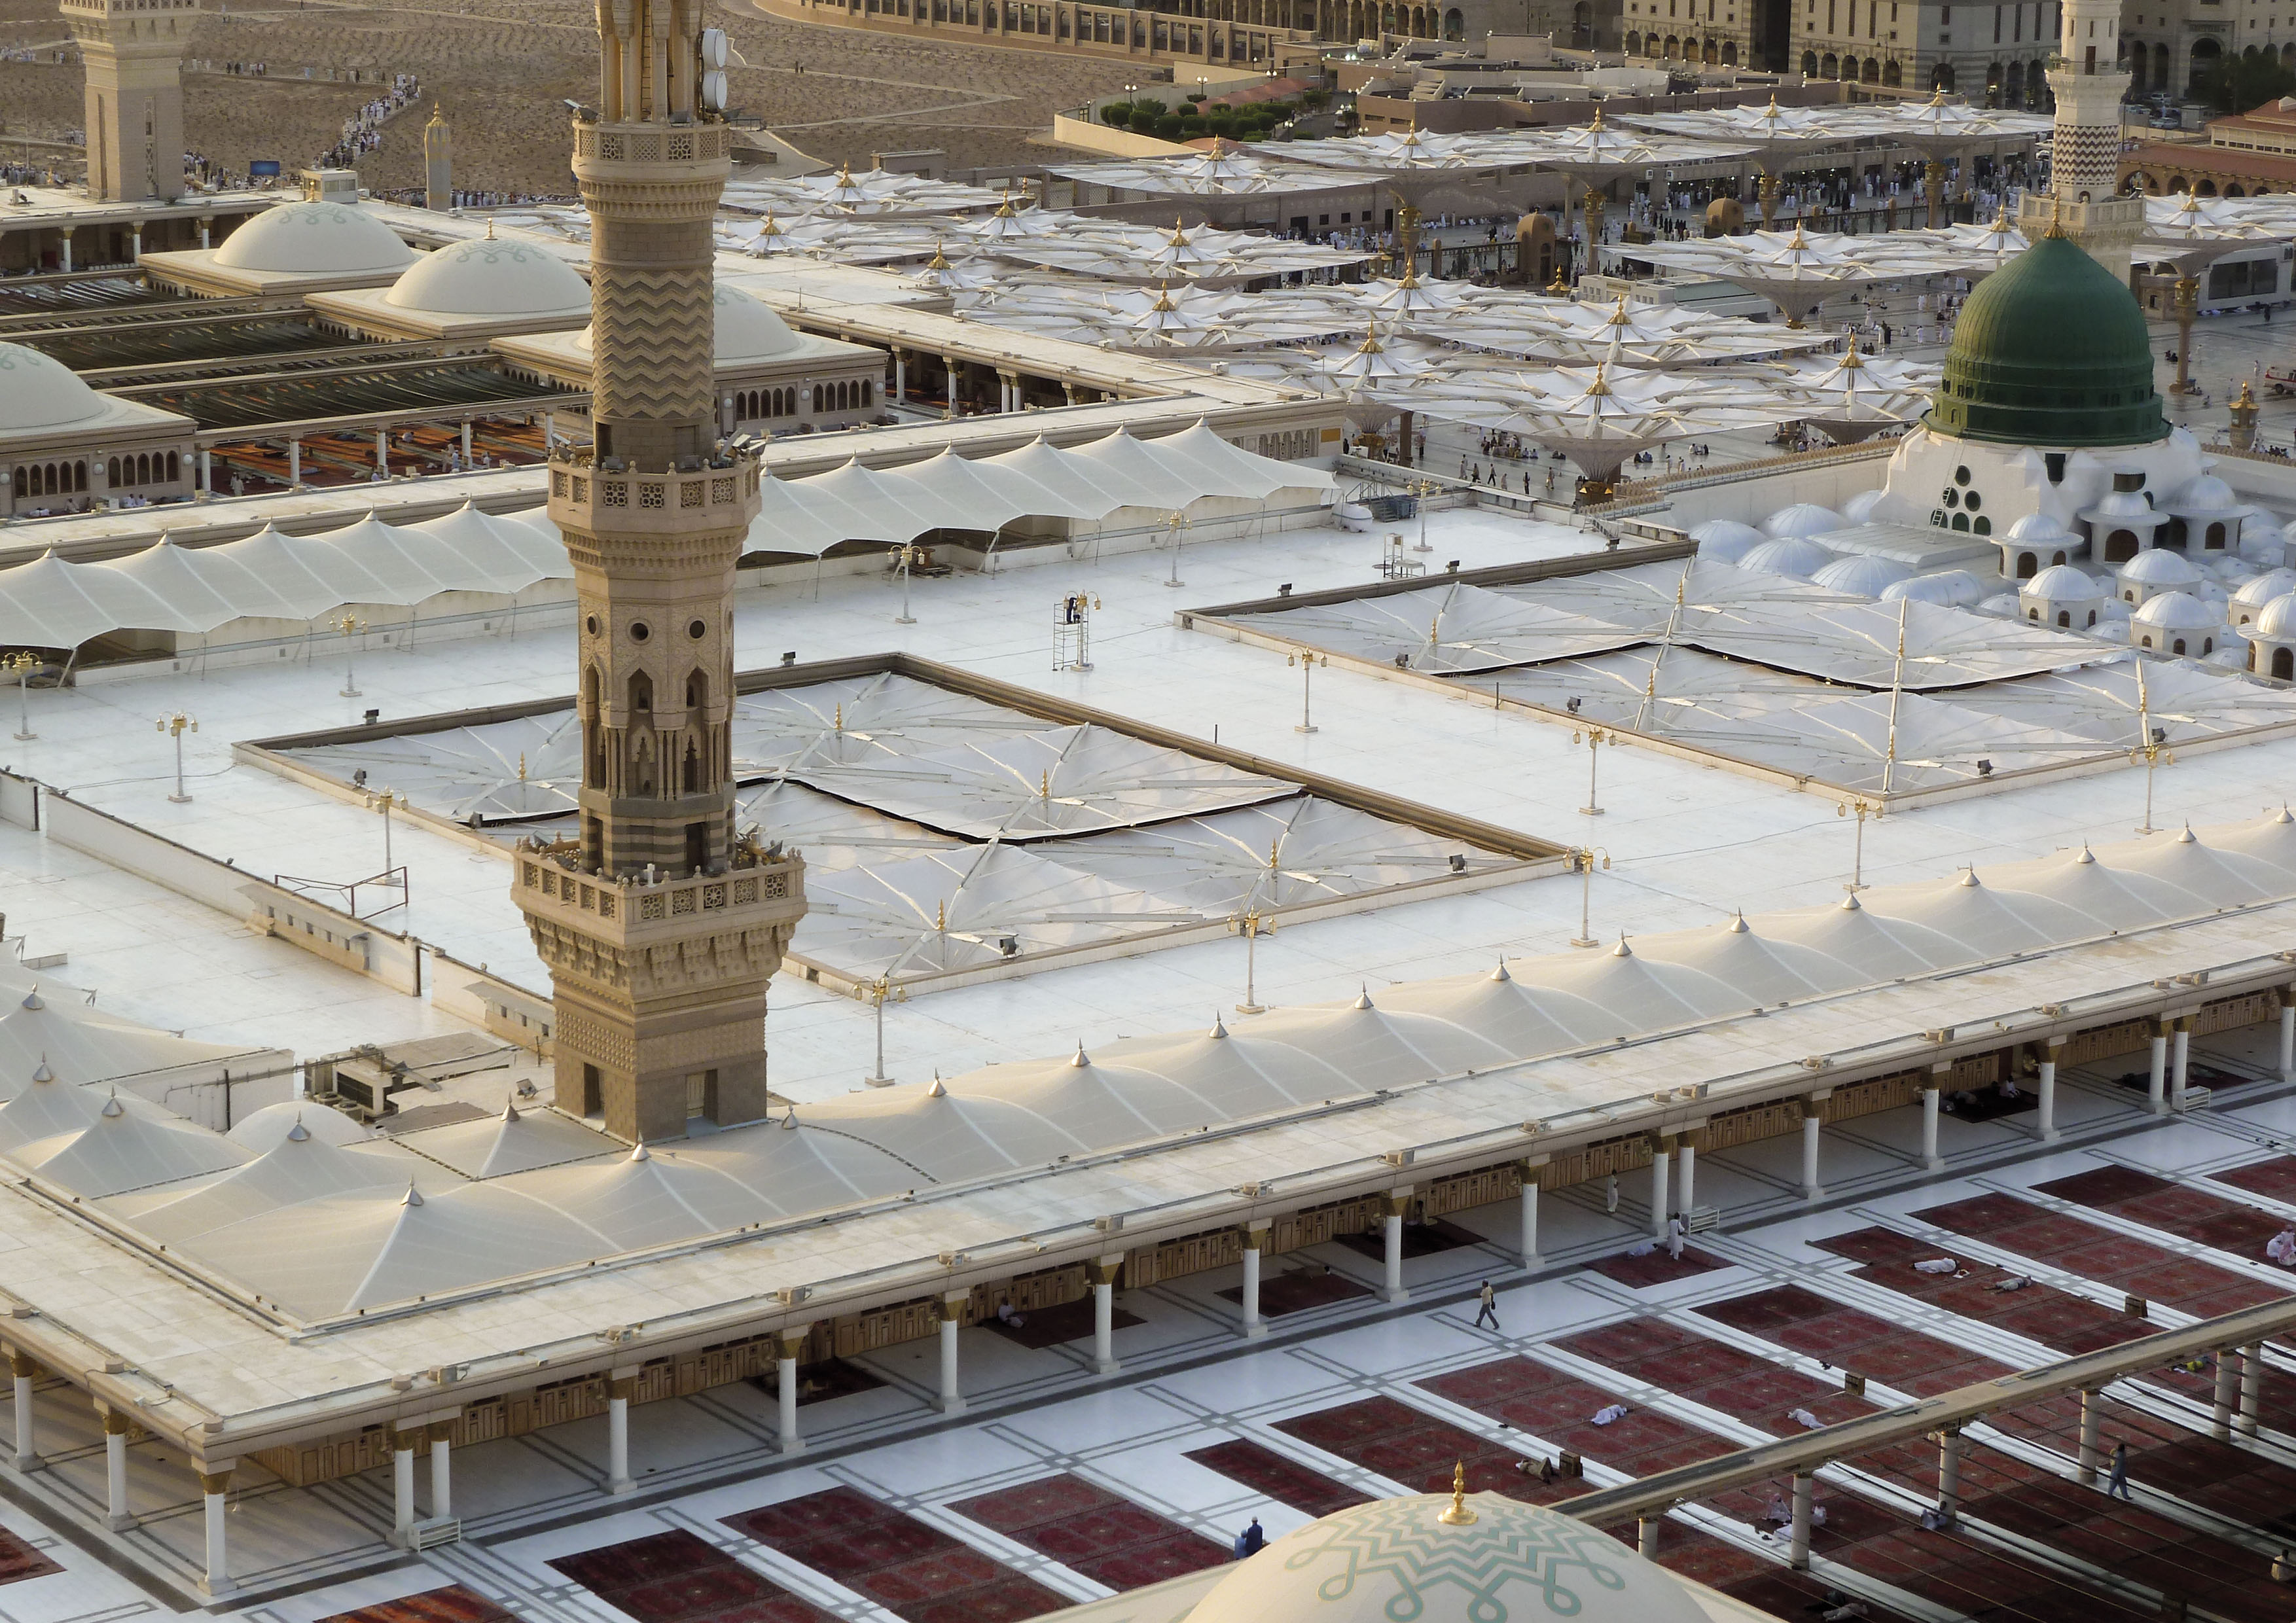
(437, 163)
(2088, 79)
(660, 926)
(134, 52)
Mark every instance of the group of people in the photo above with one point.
(363, 130)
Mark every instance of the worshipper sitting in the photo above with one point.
(1008, 1316)
(1251, 1541)
(2282, 1248)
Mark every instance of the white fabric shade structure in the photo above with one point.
(1223, 169)
(876, 193)
(321, 1229)
(270, 575)
(1791, 676)
(1039, 480)
(56, 1030)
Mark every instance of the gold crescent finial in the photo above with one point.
(1458, 1514)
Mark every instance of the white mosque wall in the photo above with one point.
(2013, 481)
(1750, 498)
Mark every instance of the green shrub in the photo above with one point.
(1168, 126)
(1117, 114)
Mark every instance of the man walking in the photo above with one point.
(1488, 1309)
(2117, 1486)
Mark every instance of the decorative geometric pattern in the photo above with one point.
(1285, 1481)
(452, 1605)
(677, 1577)
(1509, 1567)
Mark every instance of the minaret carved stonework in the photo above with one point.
(660, 926)
(134, 52)
(2088, 78)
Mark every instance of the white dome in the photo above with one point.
(2155, 568)
(2232, 570)
(489, 277)
(1953, 588)
(1725, 540)
(2061, 583)
(1789, 556)
(2125, 505)
(2036, 528)
(1396, 1558)
(2207, 494)
(315, 240)
(1804, 518)
(747, 330)
(2001, 605)
(1860, 508)
(2177, 612)
(2265, 587)
(2276, 619)
(1866, 576)
(2113, 609)
(265, 1129)
(36, 392)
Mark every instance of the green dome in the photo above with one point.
(2050, 350)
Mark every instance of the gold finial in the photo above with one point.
(1371, 344)
(2056, 217)
(522, 766)
(2245, 399)
(1459, 1515)
(940, 261)
(940, 917)
(490, 228)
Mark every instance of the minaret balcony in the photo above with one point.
(594, 500)
(754, 890)
(700, 142)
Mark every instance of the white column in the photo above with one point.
(115, 1471)
(1660, 1159)
(2252, 1387)
(549, 431)
(1805, 1488)
(207, 472)
(1102, 1275)
(1811, 1189)
(2227, 1389)
(206, 226)
(2288, 1037)
(24, 1370)
(442, 1473)
(213, 1487)
(135, 240)
(2091, 1423)
(1685, 1178)
(1646, 1529)
(1930, 1098)
(2047, 1122)
(1392, 1225)
(618, 1434)
(66, 259)
(294, 460)
(900, 378)
(1530, 1246)
(2156, 1089)
(1255, 1247)
(952, 1307)
(793, 1343)
(2180, 1048)
(402, 1484)
(466, 442)
(382, 449)
(1949, 1474)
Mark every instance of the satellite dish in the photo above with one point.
(713, 50)
(713, 91)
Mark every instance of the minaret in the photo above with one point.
(134, 52)
(437, 163)
(660, 926)
(2087, 77)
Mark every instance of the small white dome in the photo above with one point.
(1397, 1558)
(1953, 588)
(2113, 609)
(2232, 570)
(747, 330)
(1866, 576)
(1860, 508)
(2265, 587)
(265, 1129)
(1725, 540)
(1793, 558)
(36, 392)
(2276, 619)
(2124, 504)
(315, 240)
(2207, 494)
(2001, 605)
(1804, 518)
(487, 276)
(2232, 655)
(2156, 568)
(2177, 612)
(2061, 583)
(2038, 528)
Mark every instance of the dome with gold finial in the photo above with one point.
(1447, 1558)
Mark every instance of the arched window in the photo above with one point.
(79, 476)
(143, 469)
(112, 473)
(2056, 558)
(1730, 54)
(2092, 616)
(19, 483)
(697, 690)
(2145, 641)
(2284, 664)
(1809, 64)
(1634, 45)
(175, 468)
(868, 391)
(2215, 539)
(2065, 619)
(689, 776)
(1961, 520)
(2177, 646)
(641, 693)
(2120, 547)
(2027, 566)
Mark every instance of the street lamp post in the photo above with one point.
(383, 803)
(1250, 926)
(1595, 738)
(881, 992)
(350, 626)
(178, 722)
(1177, 524)
(1424, 489)
(1307, 662)
(1864, 809)
(907, 555)
(23, 663)
(1582, 857)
